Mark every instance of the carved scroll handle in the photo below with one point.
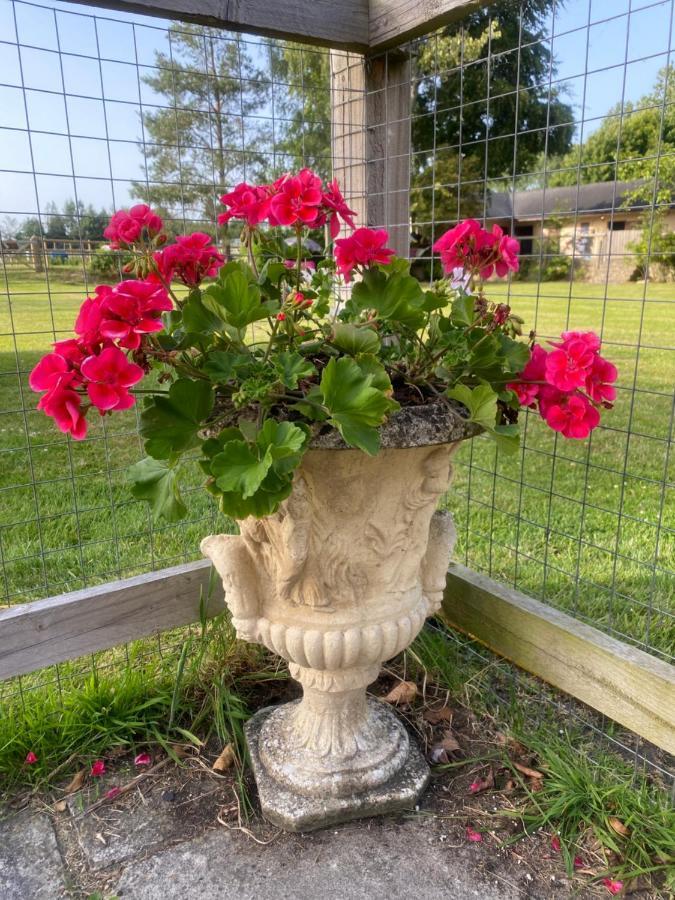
(235, 565)
(442, 537)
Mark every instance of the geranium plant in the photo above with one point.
(256, 353)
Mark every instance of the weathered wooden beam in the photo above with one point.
(393, 22)
(370, 116)
(630, 686)
(39, 634)
(322, 22)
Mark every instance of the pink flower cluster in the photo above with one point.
(568, 384)
(365, 247)
(292, 200)
(191, 259)
(129, 226)
(470, 247)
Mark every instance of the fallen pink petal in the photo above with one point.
(474, 836)
(112, 793)
(474, 787)
(614, 887)
(97, 768)
(143, 759)
(555, 843)
(578, 862)
(31, 758)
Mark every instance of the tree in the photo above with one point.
(74, 221)
(304, 104)
(453, 115)
(204, 139)
(638, 145)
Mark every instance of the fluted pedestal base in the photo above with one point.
(294, 811)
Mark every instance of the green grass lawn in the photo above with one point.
(603, 509)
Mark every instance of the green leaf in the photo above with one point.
(197, 318)
(221, 365)
(515, 353)
(155, 481)
(354, 340)
(235, 300)
(170, 424)
(238, 468)
(481, 402)
(356, 407)
(396, 297)
(292, 367)
(463, 310)
(282, 439)
(507, 437)
(371, 365)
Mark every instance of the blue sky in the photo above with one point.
(31, 37)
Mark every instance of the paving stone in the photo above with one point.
(31, 867)
(139, 824)
(352, 862)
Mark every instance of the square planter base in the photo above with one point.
(294, 812)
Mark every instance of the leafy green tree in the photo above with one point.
(206, 137)
(636, 146)
(451, 108)
(303, 105)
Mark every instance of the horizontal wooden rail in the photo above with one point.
(630, 686)
(360, 25)
(39, 634)
(633, 688)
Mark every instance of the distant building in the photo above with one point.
(594, 224)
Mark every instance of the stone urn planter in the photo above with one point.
(338, 581)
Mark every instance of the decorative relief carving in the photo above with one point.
(339, 580)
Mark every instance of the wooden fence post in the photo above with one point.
(371, 101)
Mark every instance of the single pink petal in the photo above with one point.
(112, 793)
(555, 843)
(143, 759)
(475, 787)
(103, 396)
(97, 768)
(474, 836)
(578, 862)
(614, 887)
(31, 758)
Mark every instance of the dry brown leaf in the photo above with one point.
(513, 745)
(618, 826)
(76, 782)
(526, 770)
(478, 785)
(510, 785)
(403, 692)
(225, 760)
(442, 752)
(535, 784)
(436, 714)
(61, 806)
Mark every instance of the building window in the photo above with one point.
(525, 233)
(616, 225)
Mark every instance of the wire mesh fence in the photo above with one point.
(554, 120)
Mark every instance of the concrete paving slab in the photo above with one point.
(31, 867)
(352, 862)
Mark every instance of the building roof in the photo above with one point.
(597, 198)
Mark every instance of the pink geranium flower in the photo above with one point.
(297, 199)
(124, 313)
(528, 387)
(600, 380)
(470, 247)
(63, 405)
(246, 202)
(573, 416)
(336, 209)
(130, 226)
(191, 259)
(365, 247)
(509, 248)
(52, 370)
(568, 367)
(108, 378)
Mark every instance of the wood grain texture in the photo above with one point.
(39, 634)
(322, 22)
(393, 22)
(630, 686)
